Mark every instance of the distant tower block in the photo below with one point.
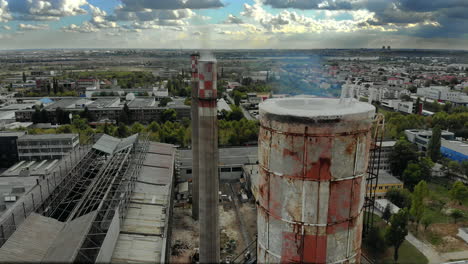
(195, 148)
(208, 161)
(313, 155)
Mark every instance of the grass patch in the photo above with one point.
(407, 252)
(406, 255)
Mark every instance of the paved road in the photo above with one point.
(458, 255)
(426, 250)
(246, 113)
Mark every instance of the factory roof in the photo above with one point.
(458, 146)
(109, 144)
(67, 103)
(141, 102)
(48, 136)
(17, 107)
(12, 188)
(143, 235)
(35, 168)
(227, 156)
(387, 178)
(317, 108)
(104, 102)
(5, 115)
(11, 133)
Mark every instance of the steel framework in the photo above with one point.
(373, 172)
(101, 183)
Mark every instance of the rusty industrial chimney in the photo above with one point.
(195, 160)
(313, 155)
(208, 160)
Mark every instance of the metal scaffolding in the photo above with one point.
(101, 183)
(373, 172)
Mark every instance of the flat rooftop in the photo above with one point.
(227, 156)
(316, 108)
(387, 178)
(141, 102)
(48, 136)
(458, 146)
(11, 134)
(103, 102)
(36, 168)
(143, 235)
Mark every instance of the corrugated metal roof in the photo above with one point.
(110, 144)
(143, 234)
(30, 242)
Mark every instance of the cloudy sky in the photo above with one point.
(304, 24)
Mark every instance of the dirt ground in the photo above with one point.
(450, 241)
(185, 230)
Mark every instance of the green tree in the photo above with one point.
(36, 116)
(433, 149)
(417, 205)
(65, 129)
(164, 101)
(387, 213)
(79, 124)
(237, 97)
(427, 221)
(399, 197)
(376, 242)
(154, 127)
(106, 129)
(456, 215)
(137, 128)
(235, 114)
(44, 117)
(403, 153)
(24, 77)
(397, 231)
(168, 115)
(122, 131)
(459, 192)
(412, 175)
(426, 165)
(453, 167)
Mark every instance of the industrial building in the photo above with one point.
(454, 150)
(422, 137)
(386, 148)
(386, 182)
(111, 201)
(313, 159)
(230, 163)
(46, 146)
(143, 110)
(9, 148)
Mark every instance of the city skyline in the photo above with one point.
(228, 24)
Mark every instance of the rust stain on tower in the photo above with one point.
(313, 155)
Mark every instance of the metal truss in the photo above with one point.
(99, 182)
(373, 172)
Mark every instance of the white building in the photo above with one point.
(47, 146)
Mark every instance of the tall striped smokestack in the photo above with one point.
(195, 150)
(208, 163)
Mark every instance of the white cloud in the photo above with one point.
(5, 27)
(33, 27)
(4, 14)
(86, 27)
(43, 10)
(231, 19)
